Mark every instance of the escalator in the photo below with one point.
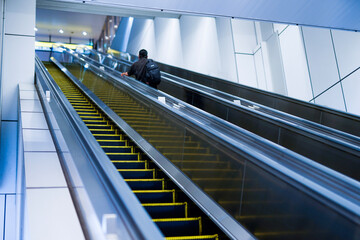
(169, 208)
(265, 203)
(317, 142)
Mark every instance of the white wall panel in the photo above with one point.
(20, 17)
(260, 71)
(333, 98)
(14, 72)
(347, 48)
(142, 36)
(168, 41)
(279, 27)
(246, 70)
(264, 30)
(121, 39)
(321, 58)
(273, 65)
(295, 66)
(244, 35)
(226, 47)
(200, 45)
(351, 87)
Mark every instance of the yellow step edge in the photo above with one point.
(153, 191)
(163, 204)
(84, 110)
(144, 180)
(136, 170)
(122, 154)
(176, 219)
(100, 129)
(215, 236)
(149, 180)
(100, 117)
(97, 125)
(100, 120)
(113, 135)
(128, 161)
(88, 113)
(117, 146)
(105, 140)
(80, 104)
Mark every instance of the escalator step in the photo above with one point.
(107, 136)
(118, 149)
(98, 126)
(175, 226)
(166, 210)
(129, 164)
(102, 131)
(155, 196)
(145, 184)
(210, 237)
(137, 173)
(91, 118)
(87, 112)
(98, 122)
(123, 156)
(104, 142)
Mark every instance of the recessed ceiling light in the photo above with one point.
(110, 20)
(35, 29)
(61, 31)
(106, 37)
(84, 33)
(115, 26)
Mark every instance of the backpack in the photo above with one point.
(152, 73)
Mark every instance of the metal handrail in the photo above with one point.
(332, 186)
(136, 223)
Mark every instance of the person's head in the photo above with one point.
(143, 53)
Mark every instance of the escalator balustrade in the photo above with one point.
(268, 207)
(164, 202)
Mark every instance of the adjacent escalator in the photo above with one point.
(266, 204)
(170, 209)
(314, 141)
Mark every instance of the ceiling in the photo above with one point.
(49, 22)
(338, 14)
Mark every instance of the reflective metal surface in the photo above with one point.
(265, 187)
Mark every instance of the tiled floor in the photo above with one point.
(50, 210)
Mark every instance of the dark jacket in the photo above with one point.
(139, 70)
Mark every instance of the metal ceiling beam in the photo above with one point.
(336, 14)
